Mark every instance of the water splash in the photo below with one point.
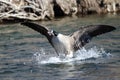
(42, 57)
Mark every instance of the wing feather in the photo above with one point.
(85, 34)
(41, 29)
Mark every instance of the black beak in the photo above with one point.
(55, 33)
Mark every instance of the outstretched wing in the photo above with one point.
(85, 34)
(41, 29)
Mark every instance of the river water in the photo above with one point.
(27, 55)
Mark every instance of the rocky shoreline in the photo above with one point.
(49, 9)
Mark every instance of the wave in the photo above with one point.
(42, 57)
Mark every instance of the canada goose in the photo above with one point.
(71, 43)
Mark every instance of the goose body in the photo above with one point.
(68, 44)
(62, 44)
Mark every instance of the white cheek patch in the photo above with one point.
(50, 32)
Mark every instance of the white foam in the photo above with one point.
(82, 54)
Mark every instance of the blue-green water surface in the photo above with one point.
(27, 55)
